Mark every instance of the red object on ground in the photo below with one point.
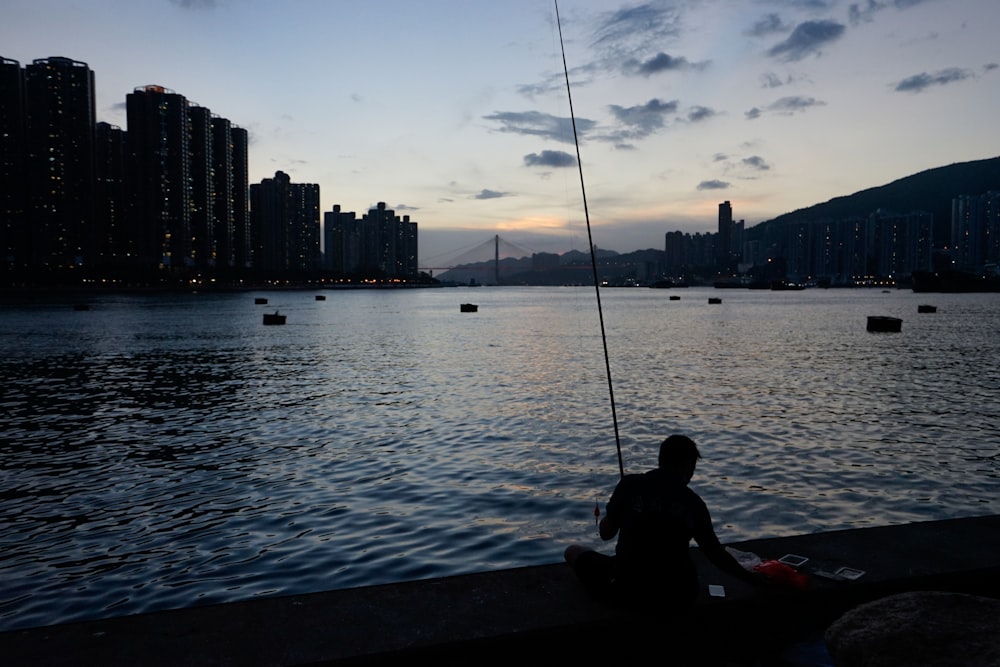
(783, 574)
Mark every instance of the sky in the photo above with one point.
(456, 112)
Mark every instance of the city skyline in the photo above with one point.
(456, 114)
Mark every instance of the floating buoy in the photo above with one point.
(883, 323)
(274, 318)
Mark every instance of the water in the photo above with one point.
(167, 451)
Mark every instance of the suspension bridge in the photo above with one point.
(487, 254)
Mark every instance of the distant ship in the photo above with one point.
(954, 281)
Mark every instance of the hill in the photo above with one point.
(931, 190)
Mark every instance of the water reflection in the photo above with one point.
(164, 451)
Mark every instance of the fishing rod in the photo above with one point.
(593, 251)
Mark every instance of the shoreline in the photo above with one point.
(538, 611)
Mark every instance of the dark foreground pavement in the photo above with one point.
(536, 613)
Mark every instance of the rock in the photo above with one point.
(918, 629)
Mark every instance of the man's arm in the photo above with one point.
(722, 559)
(709, 544)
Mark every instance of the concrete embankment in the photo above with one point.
(537, 612)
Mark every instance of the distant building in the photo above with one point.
(853, 250)
(725, 239)
(902, 242)
(285, 229)
(203, 242)
(381, 245)
(341, 242)
(684, 253)
(230, 217)
(112, 248)
(975, 230)
(159, 145)
(188, 183)
(59, 116)
(13, 184)
(240, 193)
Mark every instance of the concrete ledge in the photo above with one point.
(531, 612)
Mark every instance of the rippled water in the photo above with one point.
(167, 451)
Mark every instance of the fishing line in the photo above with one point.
(593, 251)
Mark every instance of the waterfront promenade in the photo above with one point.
(535, 612)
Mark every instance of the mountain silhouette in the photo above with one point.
(931, 190)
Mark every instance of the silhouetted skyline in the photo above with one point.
(456, 113)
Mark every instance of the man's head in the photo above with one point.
(679, 454)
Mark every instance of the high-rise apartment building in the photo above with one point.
(284, 221)
(60, 115)
(724, 238)
(391, 242)
(203, 243)
(975, 230)
(112, 249)
(159, 145)
(13, 192)
(223, 216)
(380, 245)
(188, 183)
(341, 242)
(240, 142)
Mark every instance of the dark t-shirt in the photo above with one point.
(658, 516)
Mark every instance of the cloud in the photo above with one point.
(537, 124)
(806, 39)
(865, 12)
(549, 159)
(990, 66)
(858, 13)
(767, 25)
(489, 194)
(699, 113)
(786, 106)
(661, 62)
(770, 80)
(794, 103)
(756, 162)
(642, 22)
(645, 119)
(920, 82)
(713, 185)
(196, 4)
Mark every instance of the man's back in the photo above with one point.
(657, 515)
